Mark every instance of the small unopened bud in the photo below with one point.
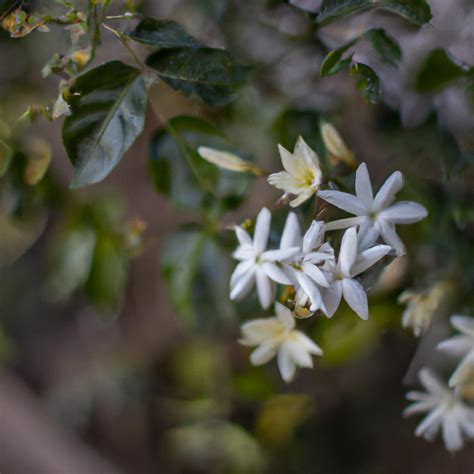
(229, 161)
(336, 146)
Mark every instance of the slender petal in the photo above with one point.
(279, 255)
(275, 273)
(387, 192)
(285, 181)
(464, 370)
(291, 236)
(262, 354)
(355, 297)
(294, 165)
(262, 230)
(302, 197)
(285, 316)
(432, 382)
(404, 212)
(240, 271)
(308, 343)
(315, 274)
(368, 258)
(310, 157)
(363, 186)
(417, 408)
(456, 345)
(312, 236)
(332, 297)
(346, 202)
(242, 285)
(297, 352)
(348, 251)
(345, 223)
(433, 418)
(464, 324)
(390, 237)
(452, 433)
(243, 236)
(258, 331)
(265, 288)
(286, 365)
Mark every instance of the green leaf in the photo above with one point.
(333, 63)
(186, 178)
(197, 273)
(105, 286)
(210, 73)
(386, 47)
(367, 82)
(6, 155)
(415, 11)
(163, 34)
(439, 70)
(108, 106)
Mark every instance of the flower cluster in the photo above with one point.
(445, 404)
(315, 273)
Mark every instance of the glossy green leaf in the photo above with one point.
(386, 47)
(367, 82)
(439, 70)
(180, 173)
(108, 106)
(163, 34)
(415, 11)
(333, 62)
(197, 274)
(212, 74)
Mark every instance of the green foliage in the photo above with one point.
(386, 47)
(181, 174)
(439, 70)
(212, 74)
(415, 11)
(108, 106)
(163, 34)
(196, 271)
(367, 82)
(333, 62)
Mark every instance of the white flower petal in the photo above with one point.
(243, 236)
(291, 235)
(432, 382)
(456, 345)
(302, 197)
(297, 352)
(345, 201)
(261, 330)
(368, 234)
(464, 324)
(315, 274)
(284, 181)
(313, 236)
(464, 370)
(404, 212)
(265, 288)
(430, 422)
(348, 251)
(262, 354)
(355, 297)
(240, 270)
(418, 407)
(390, 237)
(280, 255)
(310, 157)
(286, 365)
(345, 223)
(308, 344)
(285, 316)
(262, 230)
(363, 186)
(309, 287)
(242, 285)
(332, 297)
(452, 433)
(294, 165)
(368, 258)
(275, 273)
(387, 192)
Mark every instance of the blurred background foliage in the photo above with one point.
(114, 309)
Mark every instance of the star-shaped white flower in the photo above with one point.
(258, 265)
(303, 269)
(349, 265)
(302, 176)
(461, 345)
(375, 216)
(278, 336)
(445, 409)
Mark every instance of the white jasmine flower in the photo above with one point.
(422, 307)
(302, 176)
(258, 265)
(335, 144)
(445, 409)
(278, 336)
(348, 266)
(461, 345)
(303, 268)
(375, 216)
(228, 161)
